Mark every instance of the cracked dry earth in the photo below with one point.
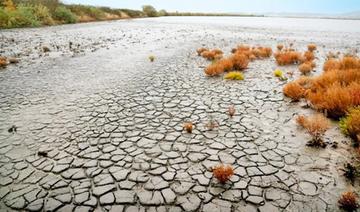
(111, 122)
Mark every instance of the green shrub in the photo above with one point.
(350, 124)
(4, 18)
(83, 10)
(64, 15)
(96, 13)
(23, 16)
(150, 11)
(133, 13)
(43, 15)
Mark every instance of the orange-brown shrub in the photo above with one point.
(350, 62)
(294, 91)
(345, 63)
(188, 127)
(265, 52)
(201, 50)
(334, 100)
(253, 52)
(209, 55)
(214, 69)
(330, 77)
(287, 58)
(305, 68)
(223, 173)
(304, 81)
(226, 63)
(316, 126)
(309, 56)
(240, 61)
(301, 120)
(354, 90)
(217, 51)
(331, 64)
(312, 47)
(3, 61)
(349, 201)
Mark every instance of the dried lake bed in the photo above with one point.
(111, 121)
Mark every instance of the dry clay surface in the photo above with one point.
(111, 122)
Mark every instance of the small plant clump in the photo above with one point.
(231, 110)
(212, 54)
(188, 127)
(280, 47)
(337, 89)
(316, 126)
(234, 75)
(240, 61)
(223, 173)
(349, 201)
(287, 57)
(3, 62)
(305, 68)
(201, 50)
(214, 69)
(345, 63)
(294, 91)
(253, 53)
(278, 73)
(350, 124)
(151, 58)
(212, 124)
(312, 47)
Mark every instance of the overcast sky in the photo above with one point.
(245, 6)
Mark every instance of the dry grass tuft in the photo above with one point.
(234, 75)
(335, 100)
(201, 50)
(312, 47)
(3, 61)
(294, 91)
(214, 69)
(223, 173)
(211, 54)
(188, 127)
(240, 61)
(349, 201)
(287, 57)
(331, 64)
(308, 56)
(345, 63)
(280, 47)
(226, 63)
(316, 126)
(305, 68)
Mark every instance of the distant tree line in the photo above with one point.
(32, 13)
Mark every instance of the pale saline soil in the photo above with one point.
(111, 121)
